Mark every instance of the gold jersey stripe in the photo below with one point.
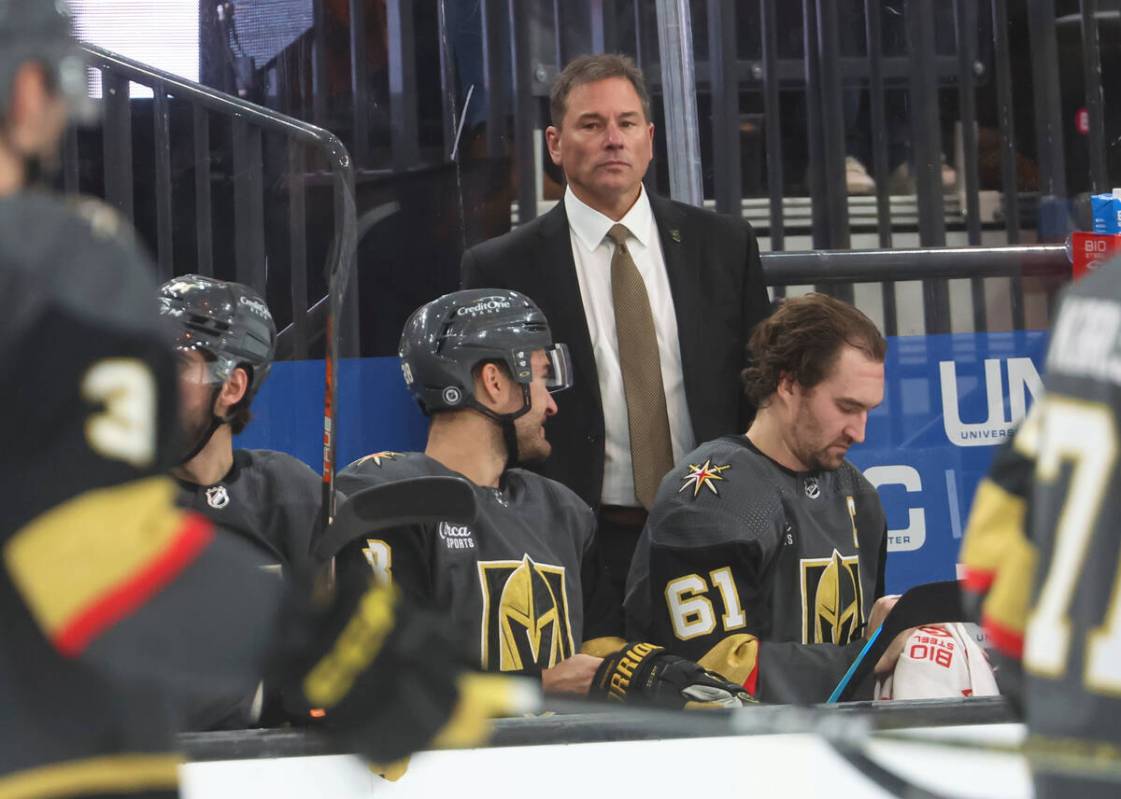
(996, 524)
(603, 646)
(734, 658)
(1009, 599)
(70, 557)
(126, 773)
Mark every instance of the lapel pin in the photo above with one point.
(675, 234)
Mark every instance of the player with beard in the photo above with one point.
(225, 341)
(763, 557)
(522, 581)
(113, 601)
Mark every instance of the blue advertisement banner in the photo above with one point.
(949, 400)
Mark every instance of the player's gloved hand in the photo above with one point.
(389, 678)
(646, 672)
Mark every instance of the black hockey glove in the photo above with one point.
(647, 673)
(388, 678)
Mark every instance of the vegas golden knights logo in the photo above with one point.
(525, 615)
(832, 606)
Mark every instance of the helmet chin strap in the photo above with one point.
(215, 422)
(506, 423)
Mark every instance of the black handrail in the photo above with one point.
(839, 267)
(137, 72)
(249, 121)
(830, 269)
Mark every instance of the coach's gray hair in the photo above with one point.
(590, 69)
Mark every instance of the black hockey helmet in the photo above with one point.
(445, 339)
(228, 321)
(42, 31)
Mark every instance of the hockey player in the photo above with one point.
(225, 340)
(1042, 548)
(522, 581)
(764, 552)
(106, 588)
(225, 343)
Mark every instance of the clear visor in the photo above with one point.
(196, 366)
(559, 374)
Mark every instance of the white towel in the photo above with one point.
(937, 662)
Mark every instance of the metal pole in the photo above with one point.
(926, 138)
(402, 84)
(873, 34)
(1092, 71)
(965, 22)
(1007, 125)
(675, 42)
(525, 113)
(833, 130)
(494, 74)
(204, 236)
(965, 19)
(161, 137)
(725, 106)
(1054, 214)
(819, 210)
(772, 112)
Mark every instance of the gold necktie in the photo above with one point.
(651, 450)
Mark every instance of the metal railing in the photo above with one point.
(753, 60)
(234, 172)
(830, 270)
(520, 50)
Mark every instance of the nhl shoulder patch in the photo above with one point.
(703, 475)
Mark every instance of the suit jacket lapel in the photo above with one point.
(681, 252)
(566, 306)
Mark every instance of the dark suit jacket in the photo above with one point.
(718, 296)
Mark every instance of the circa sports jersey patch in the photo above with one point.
(703, 475)
(378, 457)
(455, 536)
(525, 615)
(217, 497)
(832, 602)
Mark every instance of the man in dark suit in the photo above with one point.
(655, 298)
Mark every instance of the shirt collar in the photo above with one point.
(591, 226)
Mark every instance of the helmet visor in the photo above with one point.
(199, 366)
(559, 374)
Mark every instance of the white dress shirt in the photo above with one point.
(592, 251)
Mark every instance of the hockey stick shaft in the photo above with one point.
(418, 500)
(340, 268)
(845, 680)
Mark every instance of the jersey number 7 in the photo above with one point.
(1085, 434)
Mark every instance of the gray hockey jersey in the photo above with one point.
(761, 573)
(520, 582)
(269, 498)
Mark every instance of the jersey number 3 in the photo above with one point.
(125, 430)
(690, 610)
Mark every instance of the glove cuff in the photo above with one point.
(625, 673)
